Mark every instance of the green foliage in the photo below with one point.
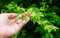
(44, 17)
(48, 35)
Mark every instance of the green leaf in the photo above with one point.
(48, 35)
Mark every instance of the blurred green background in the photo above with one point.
(45, 17)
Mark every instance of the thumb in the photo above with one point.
(12, 15)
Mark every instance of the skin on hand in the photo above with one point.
(9, 25)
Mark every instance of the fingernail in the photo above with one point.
(28, 14)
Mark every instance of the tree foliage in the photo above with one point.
(44, 19)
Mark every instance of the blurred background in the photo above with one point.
(44, 19)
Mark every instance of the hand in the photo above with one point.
(9, 26)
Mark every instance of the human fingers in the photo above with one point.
(12, 15)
